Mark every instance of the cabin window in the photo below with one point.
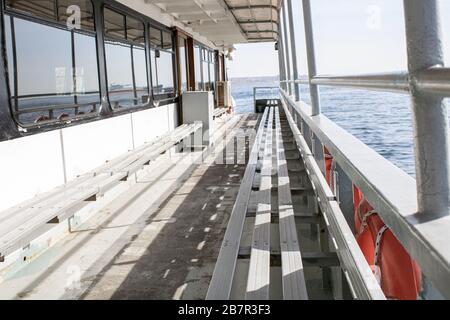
(212, 70)
(198, 68)
(78, 14)
(162, 56)
(205, 62)
(126, 61)
(64, 85)
(182, 47)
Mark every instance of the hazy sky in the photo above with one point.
(351, 36)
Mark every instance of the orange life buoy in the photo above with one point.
(399, 275)
(328, 165)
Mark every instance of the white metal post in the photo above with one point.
(425, 51)
(293, 49)
(286, 50)
(281, 53)
(311, 55)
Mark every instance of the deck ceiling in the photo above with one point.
(226, 22)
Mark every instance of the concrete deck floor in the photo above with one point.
(157, 240)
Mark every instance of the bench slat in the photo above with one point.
(294, 284)
(22, 223)
(259, 271)
(222, 280)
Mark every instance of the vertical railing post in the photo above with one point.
(281, 53)
(311, 56)
(286, 51)
(425, 50)
(293, 49)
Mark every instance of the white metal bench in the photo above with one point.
(219, 112)
(21, 224)
(259, 275)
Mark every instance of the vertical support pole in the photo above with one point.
(425, 50)
(311, 55)
(281, 52)
(293, 50)
(286, 47)
(105, 107)
(7, 125)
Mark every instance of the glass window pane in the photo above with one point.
(206, 81)
(198, 70)
(212, 75)
(167, 41)
(52, 47)
(153, 65)
(9, 54)
(86, 70)
(155, 37)
(140, 75)
(183, 64)
(39, 8)
(114, 24)
(120, 77)
(163, 78)
(135, 31)
(66, 9)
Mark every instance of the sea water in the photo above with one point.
(381, 120)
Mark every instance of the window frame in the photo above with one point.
(13, 95)
(163, 99)
(112, 39)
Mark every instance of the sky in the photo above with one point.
(351, 37)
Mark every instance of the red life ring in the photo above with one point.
(399, 275)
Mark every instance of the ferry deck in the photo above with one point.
(126, 174)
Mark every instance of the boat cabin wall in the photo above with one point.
(46, 141)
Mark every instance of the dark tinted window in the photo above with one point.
(135, 31)
(69, 9)
(39, 8)
(155, 37)
(114, 24)
(167, 41)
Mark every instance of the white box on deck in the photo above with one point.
(199, 106)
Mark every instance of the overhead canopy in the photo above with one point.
(226, 22)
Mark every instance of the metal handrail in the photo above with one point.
(435, 81)
(425, 238)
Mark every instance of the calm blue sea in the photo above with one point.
(381, 120)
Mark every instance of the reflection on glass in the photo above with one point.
(120, 76)
(57, 93)
(155, 37)
(86, 10)
(163, 82)
(86, 71)
(140, 75)
(135, 31)
(198, 68)
(206, 81)
(114, 24)
(39, 8)
(167, 41)
(183, 64)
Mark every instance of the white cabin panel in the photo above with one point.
(91, 145)
(29, 166)
(150, 124)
